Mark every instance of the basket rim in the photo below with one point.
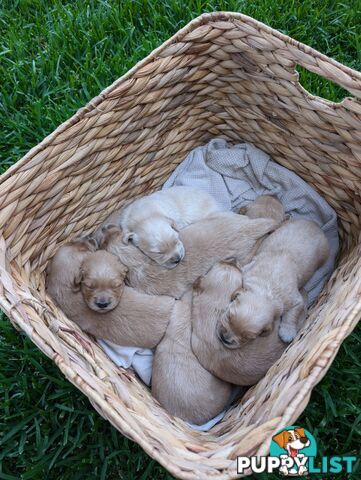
(317, 371)
(189, 27)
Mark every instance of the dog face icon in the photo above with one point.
(292, 441)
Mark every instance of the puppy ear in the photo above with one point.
(77, 281)
(86, 243)
(123, 269)
(130, 237)
(93, 244)
(105, 234)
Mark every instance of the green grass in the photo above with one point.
(54, 57)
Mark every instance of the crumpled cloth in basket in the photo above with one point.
(236, 175)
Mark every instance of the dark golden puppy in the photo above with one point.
(101, 281)
(138, 320)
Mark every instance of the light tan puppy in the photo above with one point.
(272, 281)
(265, 206)
(101, 280)
(138, 319)
(151, 223)
(180, 384)
(206, 242)
(248, 361)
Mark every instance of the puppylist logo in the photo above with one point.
(293, 453)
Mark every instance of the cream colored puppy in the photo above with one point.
(244, 363)
(152, 223)
(270, 290)
(180, 384)
(206, 242)
(137, 319)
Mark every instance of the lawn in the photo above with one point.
(54, 57)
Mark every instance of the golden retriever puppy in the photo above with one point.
(180, 384)
(137, 320)
(101, 280)
(206, 242)
(152, 223)
(244, 363)
(265, 206)
(272, 281)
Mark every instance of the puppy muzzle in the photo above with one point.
(225, 337)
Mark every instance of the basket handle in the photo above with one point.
(326, 67)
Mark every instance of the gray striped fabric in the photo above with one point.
(237, 174)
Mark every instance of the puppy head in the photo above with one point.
(248, 316)
(265, 206)
(101, 281)
(110, 233)
(83, 244)
(157, 239)
(65, 264)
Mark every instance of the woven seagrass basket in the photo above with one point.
(223, 75)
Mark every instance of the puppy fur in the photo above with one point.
(152, 223)
(180, 384)
(101, 281)
(265, 206)
(250, 360)
(284, 263)
(206, 242)
(138, 319)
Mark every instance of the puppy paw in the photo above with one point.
(287, 333)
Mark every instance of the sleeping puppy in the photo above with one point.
(101, 281)
(265, 206)
(270, 289)
(136, 320)
(244, 363)
(152, 223)
(180, 384)
(206, 242)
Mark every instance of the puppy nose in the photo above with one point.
(176, 258)
(102, 304)
(304, 440)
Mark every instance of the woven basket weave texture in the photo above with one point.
(223, 75)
